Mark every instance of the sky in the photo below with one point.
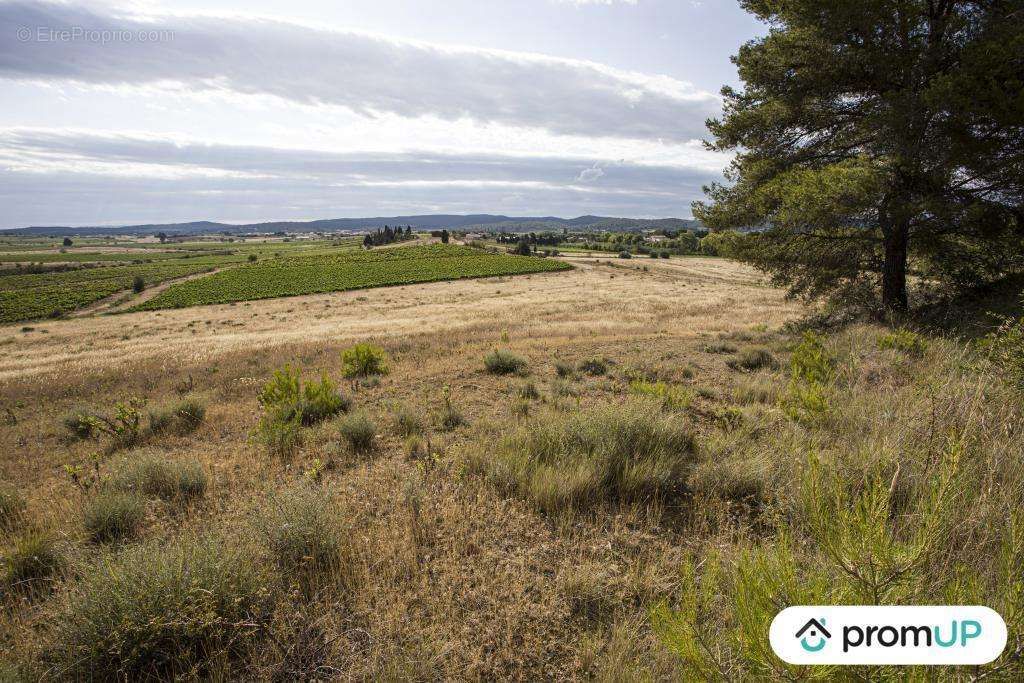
(157, 112)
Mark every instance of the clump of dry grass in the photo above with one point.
(151, 611)
(151, 474)
(504, 362)
(614, 452)
(12, 506)
(303, 533)
(113, 516)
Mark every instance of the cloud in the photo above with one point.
(589, 174)
(365, 73)
(82, 177)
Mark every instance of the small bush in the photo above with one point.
(78, 426)
(138, 284)
(113, 516)
(811, 362)
(564, 389)
(359, 431)
(170, 480)
(183, 418)
(594, 367)
(124, 428)
(753, 359)
(408, 422)
(612, 453)
(301, 535)
(903, 340)
(282, 439)
(161, 613)
(12, 506)
(285, 399)
(503, 362)
(564, 370)
(625, 254)
(520, 408)
(1005, 347)
(415, 446)
(363, 360)
(528, 392)
(33, 559)
(189, 414)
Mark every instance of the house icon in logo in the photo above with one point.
(815, 629)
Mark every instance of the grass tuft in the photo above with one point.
(113, 516)
(504, 362)
(160, 613)
(573, 462)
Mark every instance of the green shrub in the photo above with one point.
(78, 426)
(113, 516)
(124, 428)
(282, 439)
(285, 399)
(903, 340)
(31, 562)
(138, 284)
(408, 422)
(159, 613)
(12, 506)
(753, 359)
(152, 475)
(359, 431)
(812, 370)
(503, 362)
(363, 360)
(1005, 347)
(858, 550)
(302, 536)
(811, 361)
(559, 462)
(594, 367)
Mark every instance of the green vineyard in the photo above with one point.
(313, 275)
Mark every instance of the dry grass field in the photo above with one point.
(410, 554)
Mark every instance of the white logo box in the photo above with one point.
(864, 634)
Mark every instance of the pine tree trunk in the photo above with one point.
(894, 269)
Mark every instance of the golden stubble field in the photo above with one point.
(455, 580)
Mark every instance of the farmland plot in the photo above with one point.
(313, 275)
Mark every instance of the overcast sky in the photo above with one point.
(260, 110)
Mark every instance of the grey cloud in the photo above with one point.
(364, 73)
(52, 178)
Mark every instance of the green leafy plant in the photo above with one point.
(905, 341)
(363, 360)
(1005, 347)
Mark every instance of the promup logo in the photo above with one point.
(888, 635)
(817, 630)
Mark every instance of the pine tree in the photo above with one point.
(877, 139)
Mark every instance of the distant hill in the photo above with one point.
(428, 222)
